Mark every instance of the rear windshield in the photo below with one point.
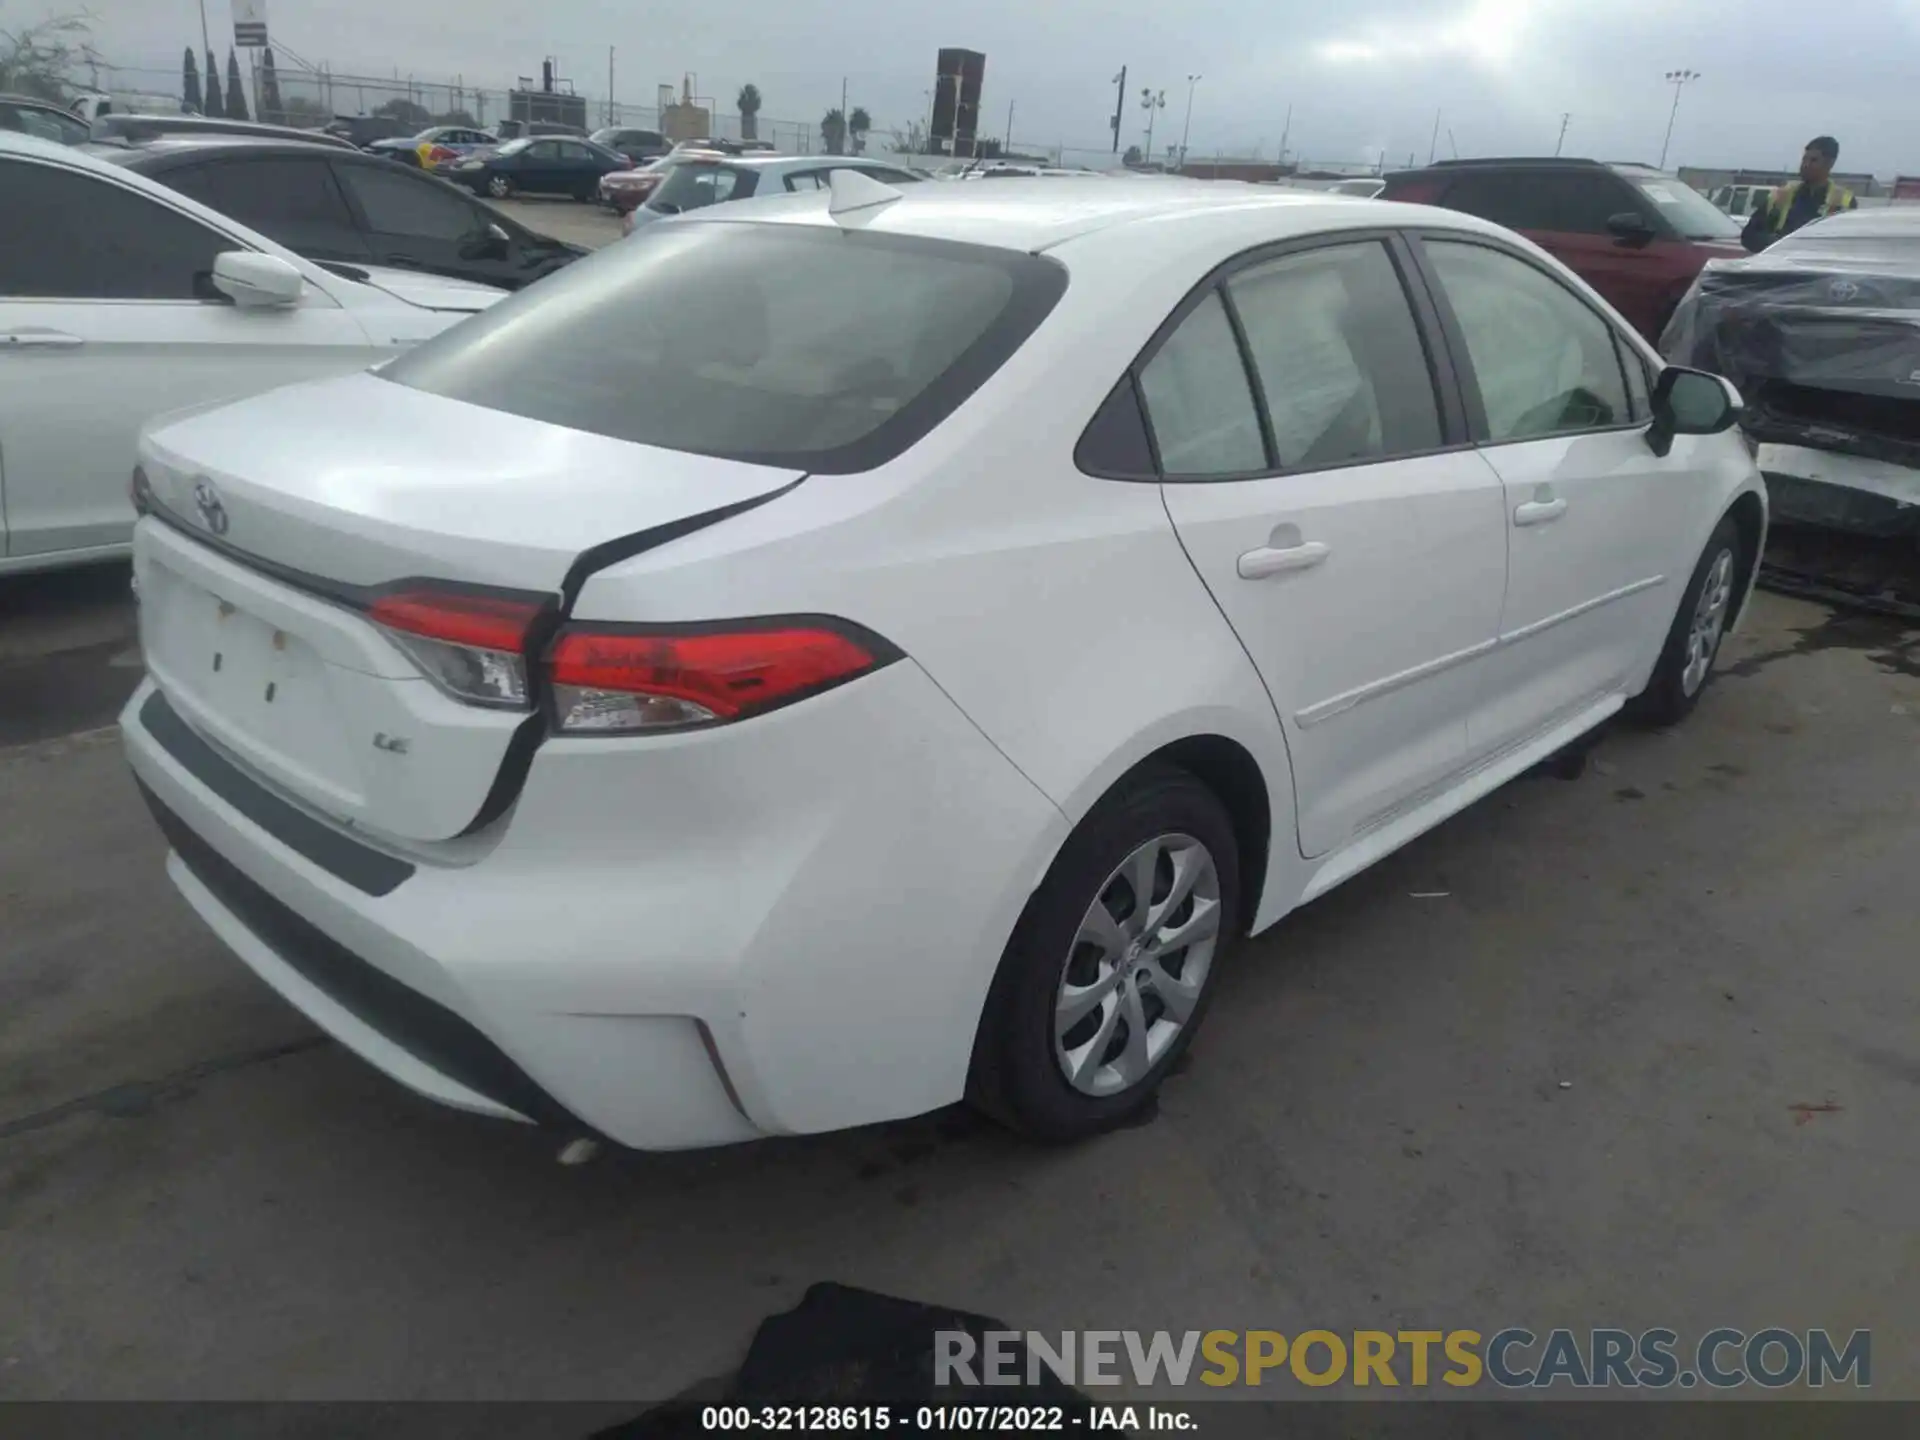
(798, 346)
(1688, 211)
(699, 184)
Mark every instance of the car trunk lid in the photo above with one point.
(279, 524)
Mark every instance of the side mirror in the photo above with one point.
(257, 282)
(1629, 227)
(1690, 402)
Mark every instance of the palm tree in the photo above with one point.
(833, 131)
(858, 124)
(748, 104)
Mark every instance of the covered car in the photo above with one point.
(1821, 333)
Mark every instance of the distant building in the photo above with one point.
(1906, 187)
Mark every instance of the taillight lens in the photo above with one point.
(628, 681)
(473, 646)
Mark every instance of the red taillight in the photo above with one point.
(473, 646)
(611, 681)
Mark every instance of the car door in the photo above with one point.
(415, 221)
(1316, 469)
(1589, 508)
(105, 323)
(291, 199)
(1634, 273)
(538, 167)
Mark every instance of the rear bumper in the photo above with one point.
(691, 947)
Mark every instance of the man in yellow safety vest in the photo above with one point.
(1812, 197)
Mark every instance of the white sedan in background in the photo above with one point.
(121, 300)
(835, 655)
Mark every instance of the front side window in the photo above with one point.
(1337, 355)
(396, 203)
(779, 345)
(1198, 401)
(1544, 362)
(68, 235)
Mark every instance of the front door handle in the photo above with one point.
(1539, 512)
(37, 339)
(1268, 560)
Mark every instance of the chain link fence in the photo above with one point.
(290, 95)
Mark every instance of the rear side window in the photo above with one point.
(694, 187)
(1198, 402)
(272, 195)
(73, 236)
(1513, 198)
(1339, 360)
(824, 350)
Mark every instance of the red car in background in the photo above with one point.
(1637, 235)
(624, 191)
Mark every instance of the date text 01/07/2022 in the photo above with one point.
(924, 1419)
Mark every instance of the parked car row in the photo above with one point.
(585, 733)
(698, 179)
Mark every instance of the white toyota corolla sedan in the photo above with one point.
(846, 653)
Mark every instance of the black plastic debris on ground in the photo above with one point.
(843, 1346)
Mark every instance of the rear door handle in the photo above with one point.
(1267, 560)
(1539, 512)
(37, 339)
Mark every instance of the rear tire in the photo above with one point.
(1685, 666)
(1092, 1005)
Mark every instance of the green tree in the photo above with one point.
(39, 59)
(236, 92)
(833, 131)
(215, 105)
(269, 92)
(190, 83)
(859, 123)
(748, 104)
(401, 108)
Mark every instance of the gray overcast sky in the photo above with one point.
(1361, 76)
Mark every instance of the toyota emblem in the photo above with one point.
(213, 514)
(1843, 290)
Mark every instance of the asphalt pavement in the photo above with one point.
(1636, 1048)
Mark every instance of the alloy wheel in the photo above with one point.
(1137, 966)
(1709, 623)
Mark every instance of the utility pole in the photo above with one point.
(1433, 148)
(843, 114)
(609, 84)
(1119, 105)
(206, 37)
(1679, 79)
(1285, 131)
(1192, 80)
(1564, 121)
(1152, 104)
(1008, 147)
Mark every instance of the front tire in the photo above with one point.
(1111, 968)
(499, 187)
(1686, 661)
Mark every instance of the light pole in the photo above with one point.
(1679, 79)
(1151, 103)
(1565, 120)
(1187, 128)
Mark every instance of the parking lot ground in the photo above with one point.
(1636, 1049)
(568, 220)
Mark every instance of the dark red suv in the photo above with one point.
(1636, 235)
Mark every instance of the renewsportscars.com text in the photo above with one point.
(1513, 1358)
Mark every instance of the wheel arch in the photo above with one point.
(1749, 514)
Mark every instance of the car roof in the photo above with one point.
(160, 151)
(1038, 217)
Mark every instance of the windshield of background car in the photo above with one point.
(799, 346)
(1688, 211)
(699, 184)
